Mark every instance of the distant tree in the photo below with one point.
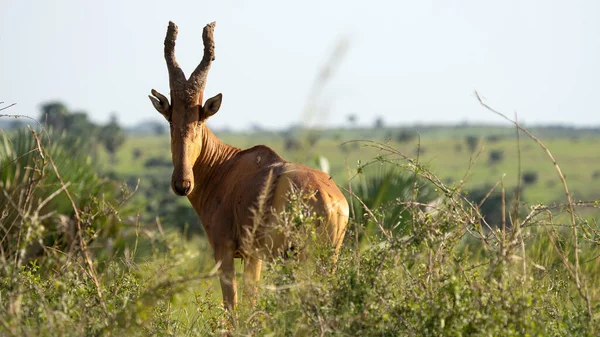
(420, 150)
(496, 156)
(291, 130)
(255, 127)
(54, 114)
(112, 136)
(379, 123)
(292, 144)
(79, 125)
(137, 153)
(16, 124)
(158, 162)
(491, 209)
(77, 129)
(159, 129)
(530, 177)
(472, 142)
(81, 131)
(352, 119)
(312, 138)
(406, 136)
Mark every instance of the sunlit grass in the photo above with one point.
(444, 273)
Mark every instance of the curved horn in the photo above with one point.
(198, 78)
(175, 73)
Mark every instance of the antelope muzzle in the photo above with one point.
(182, 184)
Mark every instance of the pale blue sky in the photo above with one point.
(407, 61)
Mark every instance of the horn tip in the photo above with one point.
(210, 26)
(172, 27)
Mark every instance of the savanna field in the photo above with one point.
(454, 231)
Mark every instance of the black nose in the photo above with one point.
(182, 189)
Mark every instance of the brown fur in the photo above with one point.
(225, 184)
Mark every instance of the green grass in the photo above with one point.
(444, 273)
(444, 152)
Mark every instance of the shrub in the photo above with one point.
(137, 153)
(383, 193)
(491, 205)
(472, 142)
(493, 138)
(432, 280)
(443, 273)
(530, 177)
(312, 138)
(496, 156)
(37, 211)
(420, 150)
(406, 136)
(158, 162)
(291, 144)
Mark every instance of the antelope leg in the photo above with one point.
(227, 278)
(252, 267)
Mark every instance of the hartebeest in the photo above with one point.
(223, 183)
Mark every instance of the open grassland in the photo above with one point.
(87, 261)
(443, 151)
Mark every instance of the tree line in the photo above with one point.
(80, 130)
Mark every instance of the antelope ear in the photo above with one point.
(160, 103)
(212, 105)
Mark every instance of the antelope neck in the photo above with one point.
(211, 165)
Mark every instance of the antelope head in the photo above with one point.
(186, 113)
